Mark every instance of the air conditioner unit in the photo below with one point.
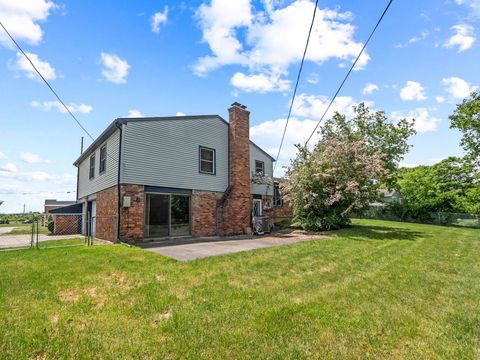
(261, 225)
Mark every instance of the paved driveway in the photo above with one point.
(17, 241)
(195, 248)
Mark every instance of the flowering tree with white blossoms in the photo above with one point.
(345, 169)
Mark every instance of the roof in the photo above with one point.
(115, 124)
(71, 209)
(54, 202)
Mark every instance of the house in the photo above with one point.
(52, 204)
(67, 220)
(146, 178)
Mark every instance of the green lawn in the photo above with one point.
(26, 229)
(376, 290)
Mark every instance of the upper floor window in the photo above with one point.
(92, 167)
(259, 167)
(207, 160)
(103, 159)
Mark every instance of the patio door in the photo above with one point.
(167, 215)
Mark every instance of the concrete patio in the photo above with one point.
(186, 249)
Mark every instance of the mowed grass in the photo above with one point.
(26, 229)
(376, 290)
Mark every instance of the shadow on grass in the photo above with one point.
(363, 232)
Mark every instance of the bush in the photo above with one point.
(51, 225)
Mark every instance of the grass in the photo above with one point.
(376, 290)
(26, 229)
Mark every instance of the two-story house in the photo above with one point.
(145, 178)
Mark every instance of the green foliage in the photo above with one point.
(466, 118)
(50, 225)
(343, 172)
(381, 136)
(448, 186)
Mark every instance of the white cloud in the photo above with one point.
(2, 156)
(134, 113)
(271, 39)
(32, 158)
(440, 99)
(312, 106)
(370, 89)
(261, 83)
(9, 168)
(424, 34)
(457, 87)
(313, 78)
(424, 122)
(115, 69)
(412, 91)
(74, 108)
(22, 64)
(158, 19)
(21, 18)
(474, 6)
(463, 38)
(180, 114)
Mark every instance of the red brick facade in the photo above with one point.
(132, 219)
(106, 214)
(66, 224)
(204, 213)
(237, 207)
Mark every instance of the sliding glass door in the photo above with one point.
(167, 215)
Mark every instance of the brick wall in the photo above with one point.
(133, 217)
(237, 207)
(106, 214)
(66, 224)
(204, 213)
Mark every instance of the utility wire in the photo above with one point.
(349, 71)
(46, 82)
(296, 85)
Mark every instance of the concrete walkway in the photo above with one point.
(187, 249)
(18, 241)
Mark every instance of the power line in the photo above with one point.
(296, 85)
(46, 82)
(349, 71)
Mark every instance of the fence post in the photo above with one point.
(37, 232)
(33, 230)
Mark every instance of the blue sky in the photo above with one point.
(110, 59)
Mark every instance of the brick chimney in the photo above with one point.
(237, 208)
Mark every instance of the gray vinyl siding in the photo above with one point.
(102, 181)
(256, 154)
(166, 153)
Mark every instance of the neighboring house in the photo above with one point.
(52, 204)
(67, 220)
(385, 197)
(146, 178)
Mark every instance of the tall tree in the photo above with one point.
(343, 171)
(466, 118)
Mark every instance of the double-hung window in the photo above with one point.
(259, 167)
(103, 159)
(92, 167)
(207, 160)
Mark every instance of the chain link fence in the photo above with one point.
(435, 218)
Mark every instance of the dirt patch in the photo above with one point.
(40, 355)
(70, 295)
(54, 318)
(160, 277)
(162, 317)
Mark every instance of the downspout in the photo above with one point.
(119, 127)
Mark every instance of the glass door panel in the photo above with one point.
(157, 219)
(180, 215)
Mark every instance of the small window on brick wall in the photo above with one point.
(207, 160)
(92, 167)
(277, 197)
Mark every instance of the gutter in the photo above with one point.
(119, 127)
